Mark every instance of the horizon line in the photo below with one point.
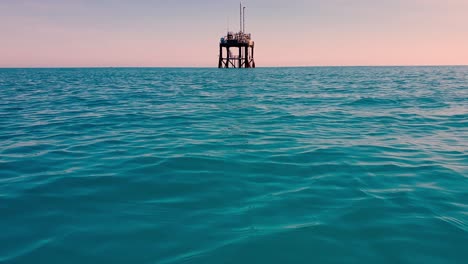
(214, 67)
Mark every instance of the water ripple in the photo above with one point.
(285, 165)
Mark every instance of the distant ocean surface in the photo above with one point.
(268, 165)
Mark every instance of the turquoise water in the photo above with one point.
(287, 165)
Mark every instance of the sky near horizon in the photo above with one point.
(173, 33)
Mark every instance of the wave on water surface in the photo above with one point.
(279, 165)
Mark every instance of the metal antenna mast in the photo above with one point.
(243, 22)
(240, 16)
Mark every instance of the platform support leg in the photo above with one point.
(220, 62)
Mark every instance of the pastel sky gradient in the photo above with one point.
(95, 33)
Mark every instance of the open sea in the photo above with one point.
(209, 166)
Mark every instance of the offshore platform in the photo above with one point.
(239, 47)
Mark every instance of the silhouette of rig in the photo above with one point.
(242, 45)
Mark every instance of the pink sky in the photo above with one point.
(52, 33)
